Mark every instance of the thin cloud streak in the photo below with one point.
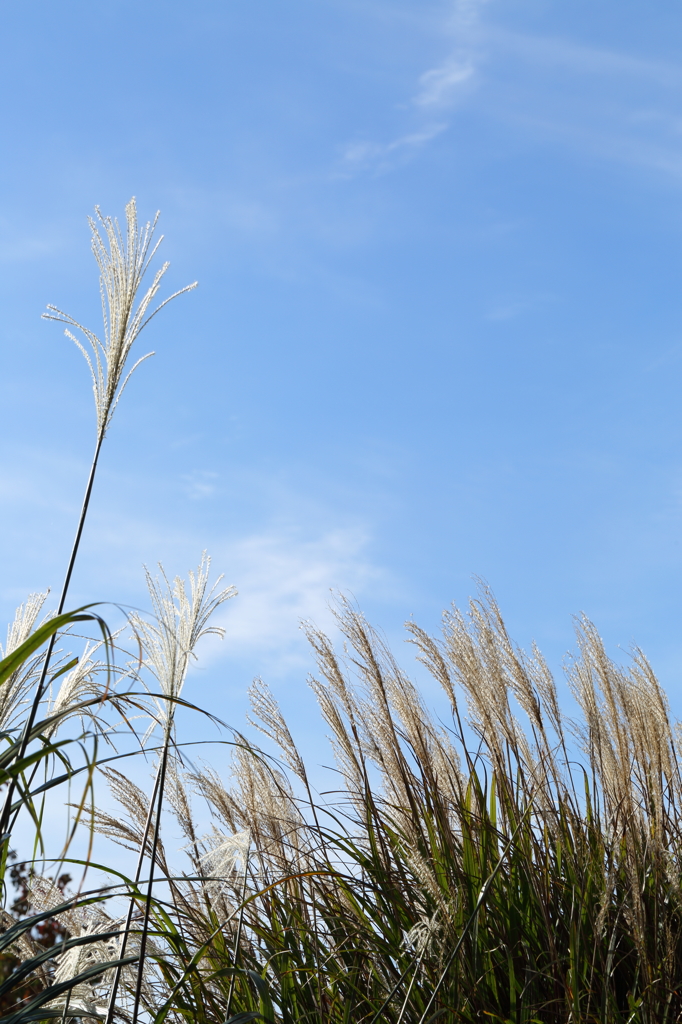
(610, 104)
(438, 84)
(437, 88)
(359, 155)
(595, 102)
(443, 85)
(283, 580)
(554, 52)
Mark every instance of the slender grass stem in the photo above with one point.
(148, 900)
(415, 973)
(237, 941)
(111, 1008)
(42, 682)
(485, 888)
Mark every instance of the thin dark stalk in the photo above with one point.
(237, 940)
(131, 906)
(66, 1007)
(414, 978)
(148, 899)
(223, 924)
(397, 985)
(40, 689)
(479, 903)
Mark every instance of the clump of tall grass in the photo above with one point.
(509, 864)
(487, 868)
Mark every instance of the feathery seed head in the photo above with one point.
(271, 722)
(123, 263)
(421, 934)
(224, 856)
(181, 621)
(14, 691)
(79, 684)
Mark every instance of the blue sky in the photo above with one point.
(437, 331)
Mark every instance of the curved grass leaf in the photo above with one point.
(26, 1012)
(16, 659)
(26, 967)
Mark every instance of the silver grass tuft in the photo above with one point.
(123, 263)
(271, 722)
(181, 620)
(224, 857)
(422, 934)
(14, 691)
(78, 685)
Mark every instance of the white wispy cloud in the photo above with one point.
(442, 85)
(285, 567)
(437, 86)
(284, 578)
(283, 573)
(596, 101)
(608, 103)
(200, 484)
(382, 156)
(436, 89)
(578, 58)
